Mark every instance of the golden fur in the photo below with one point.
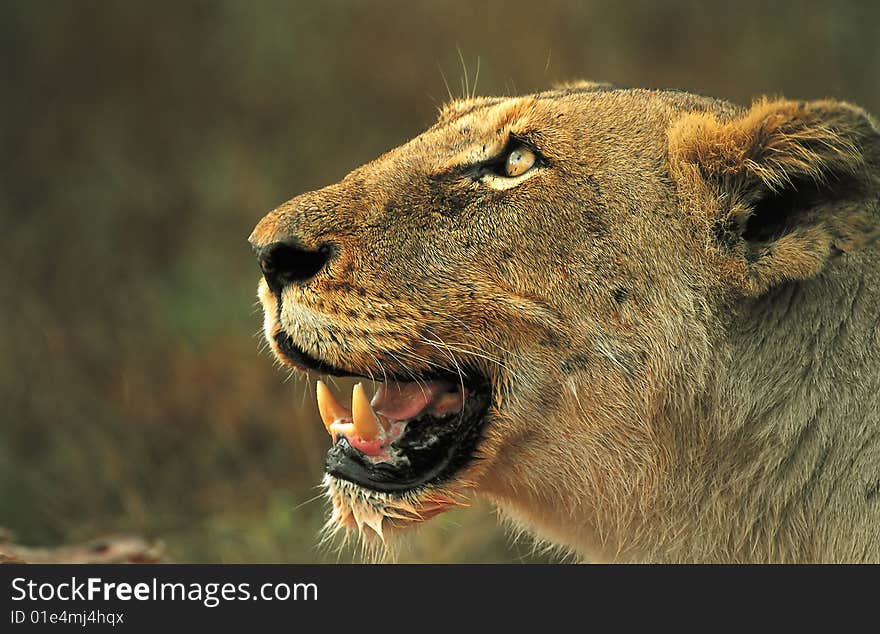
(678, 313)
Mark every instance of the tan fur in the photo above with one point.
(678, 314)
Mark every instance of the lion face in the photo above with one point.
(530, 286)
(481, 273)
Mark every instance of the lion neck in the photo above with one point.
(794, 420)
(757, 466)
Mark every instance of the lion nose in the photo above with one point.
(285, 263)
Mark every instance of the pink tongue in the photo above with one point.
(402, 401)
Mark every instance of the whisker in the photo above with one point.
(423, 360)
(475, 334)
(445, 83)
(309, 501)
(408, 371)
(466, 88)
(480, 355)
(477, 78)
(307, 391)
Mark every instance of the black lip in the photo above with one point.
(435, 448)
(305, 361)
(299, 357)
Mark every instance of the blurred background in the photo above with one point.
(141, 141)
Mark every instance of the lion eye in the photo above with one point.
(519, 161)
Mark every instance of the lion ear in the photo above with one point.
(784, 187)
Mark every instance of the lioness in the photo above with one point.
(646, 324)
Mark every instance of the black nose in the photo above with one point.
(286, 263)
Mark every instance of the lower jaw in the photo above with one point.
(424, 463)
(347, 463)
(344, 462)
(381, 515)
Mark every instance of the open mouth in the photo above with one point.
(412, 432)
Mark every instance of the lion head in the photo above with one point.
(539, 285)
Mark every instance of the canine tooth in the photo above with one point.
(330, 409)
(341, 429)
(365, 422)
